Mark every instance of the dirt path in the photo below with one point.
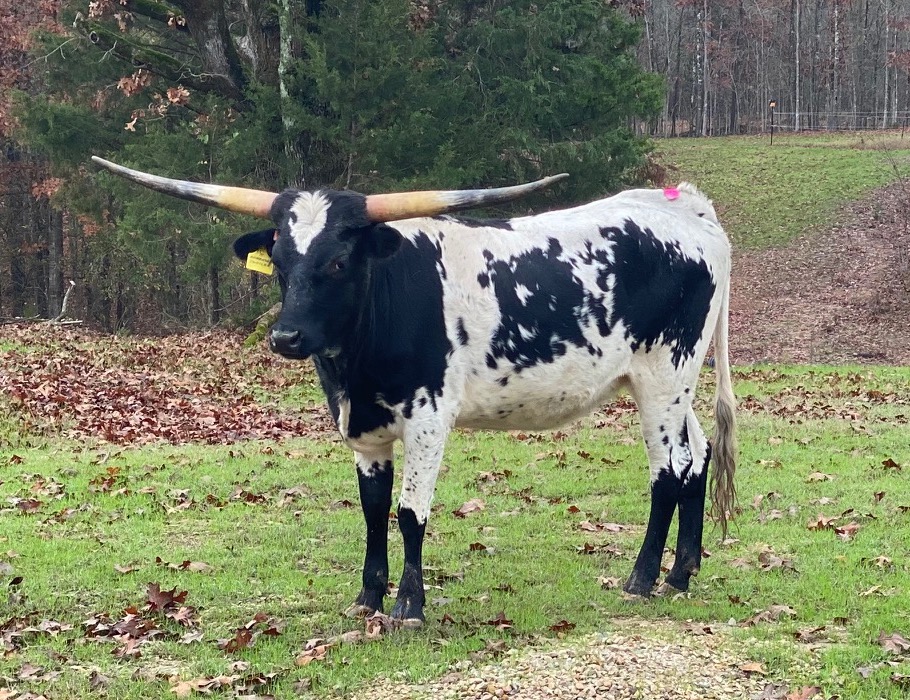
(637, 660)
(841, 296)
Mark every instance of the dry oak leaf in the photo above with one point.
(846, 532)
(807, 692)
(822, 522)
(471, 506)
(818, 476)
(315, 650)
(562, 626)
(500, 622)
(753, 667)
(893, 643)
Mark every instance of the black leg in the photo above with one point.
(691, 527)
(376, 501)
(409, 606)
(664, 497)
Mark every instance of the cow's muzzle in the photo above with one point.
(285, 342)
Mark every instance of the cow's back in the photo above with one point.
(549, 314)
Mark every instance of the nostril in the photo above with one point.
(282, 339)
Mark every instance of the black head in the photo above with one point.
(323, 247)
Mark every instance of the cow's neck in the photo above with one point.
(398, 343)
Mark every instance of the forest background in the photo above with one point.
(375, 96)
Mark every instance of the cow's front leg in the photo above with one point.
(374, 475)
(424, 442)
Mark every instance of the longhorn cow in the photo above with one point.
(419, 322)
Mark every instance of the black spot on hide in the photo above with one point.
(659, 294)
(462, 333)
(544, 307)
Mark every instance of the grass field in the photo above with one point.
(99, 542)
(766, 195)
(269, 529)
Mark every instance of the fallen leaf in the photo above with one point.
(809, 635)
(846, 532)
(753, 667)
(562, 626)
(161, 600)
(315, 650)
(818, 476)
(821, 522)
(471, 506)
(242, 639)
(881, 561)
(126, 568)
(893, 643)
(500, 622)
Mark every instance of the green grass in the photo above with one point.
(766, 195)
(300, 561)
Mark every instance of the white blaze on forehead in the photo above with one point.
(311, 210)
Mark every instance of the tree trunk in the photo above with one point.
(54, 263)
(704, 69)
(262, 39)
(208, 25)
(885, 10)
(796, 91)
(214, 296)
(288, 18)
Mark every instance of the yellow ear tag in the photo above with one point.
(259, 261)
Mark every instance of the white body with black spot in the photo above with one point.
(520, 324)
(419, 325)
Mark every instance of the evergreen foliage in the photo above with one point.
(360, 94)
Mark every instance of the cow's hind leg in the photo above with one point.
(374, 475)
(677, 452)
(691, 511)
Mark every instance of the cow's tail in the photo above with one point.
(723, 491)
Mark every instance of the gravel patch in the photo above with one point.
(639, 661)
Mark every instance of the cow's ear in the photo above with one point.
(249, 242)
(382, 240)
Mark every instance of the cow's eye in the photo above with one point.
(338, 265)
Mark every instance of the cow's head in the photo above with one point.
(322, 245)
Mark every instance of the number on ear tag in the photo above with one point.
(259, 261)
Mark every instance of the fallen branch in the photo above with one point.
(58, 319)
(263, 323)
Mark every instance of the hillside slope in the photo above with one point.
(835, 296)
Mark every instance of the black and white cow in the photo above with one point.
(419, 322)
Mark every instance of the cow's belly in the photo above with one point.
(539, 398)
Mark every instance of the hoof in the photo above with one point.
(412, 623)
(358, 611)
(680, 580)
(667, 589)
(637, 587)
(409, 611)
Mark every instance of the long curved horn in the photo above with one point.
(238, 199)
(406, 205)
